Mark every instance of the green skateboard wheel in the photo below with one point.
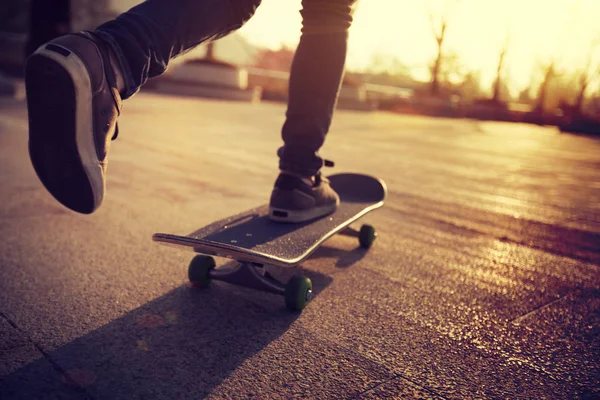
(199, 270)
(298, 292)
(367, 236)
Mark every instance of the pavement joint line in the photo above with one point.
(544, 306)
(47, 357)
(369, 360)
(477, 340)
(360, 356)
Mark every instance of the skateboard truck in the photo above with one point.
(366, 235)
(255, 242)
(297, 292)
(251, 275)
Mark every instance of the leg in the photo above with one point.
(148, 36)
(300, 192)
(75, 84)
(315, 81)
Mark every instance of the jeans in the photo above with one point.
(146, 37)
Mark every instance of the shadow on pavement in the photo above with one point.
(345, 258)
(181, 345)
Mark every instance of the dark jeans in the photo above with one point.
(146, 37)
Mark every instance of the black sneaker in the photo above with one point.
(73, 105)
(295, 200)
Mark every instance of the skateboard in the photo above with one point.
(255, 242)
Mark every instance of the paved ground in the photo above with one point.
(484, 282)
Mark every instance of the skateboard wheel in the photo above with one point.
(199, 270)
(367, 236)
(298, 292)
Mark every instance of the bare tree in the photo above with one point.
(574, 94)
(439, 29)
(435, 69)
(587, 75)
(499, 70)
(549, 73)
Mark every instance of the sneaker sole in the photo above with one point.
(292, 216)
(61, 139)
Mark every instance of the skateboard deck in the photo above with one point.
(256, 242)
(252, 237)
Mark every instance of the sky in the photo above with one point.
(537, 31)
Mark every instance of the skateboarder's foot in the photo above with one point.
(73, 103)
(298, 199)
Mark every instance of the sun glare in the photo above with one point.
(535, 32)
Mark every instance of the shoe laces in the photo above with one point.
(109, 73)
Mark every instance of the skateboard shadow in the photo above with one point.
(181, 345)
(345, 258)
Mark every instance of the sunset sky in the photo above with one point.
(401, 29)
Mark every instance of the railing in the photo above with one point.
(267, 77)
